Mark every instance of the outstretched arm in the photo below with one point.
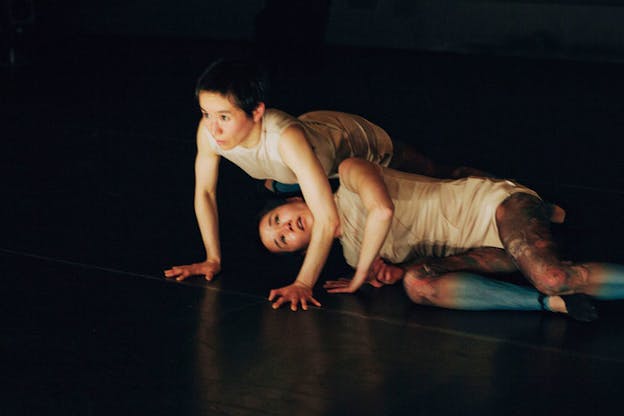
(206, 175)
(299, 156)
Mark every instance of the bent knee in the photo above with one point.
(552, 282)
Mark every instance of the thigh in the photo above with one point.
(527, 216)
(524, 228)
(407, 159)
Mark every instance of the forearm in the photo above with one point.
(316, 254)
(366, 180)
(375, 231)
(207, 216)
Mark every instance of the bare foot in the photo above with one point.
(555, 304)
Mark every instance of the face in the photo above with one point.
(228, 124)
(287, 228)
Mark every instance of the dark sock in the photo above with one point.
(580, 307)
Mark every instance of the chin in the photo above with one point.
(224, 146)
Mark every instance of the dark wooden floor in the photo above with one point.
(96, 161)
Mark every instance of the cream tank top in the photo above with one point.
(333, 135)
(433, 217)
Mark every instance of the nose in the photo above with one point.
(214, 128)
(287, 226)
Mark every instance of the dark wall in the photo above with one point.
(555, 28)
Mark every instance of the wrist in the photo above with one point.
(213, 260)
(360, 276)
(303, 284)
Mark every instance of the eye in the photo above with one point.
(225, 117)
(283, 239)
(277, 219)
(206, 116)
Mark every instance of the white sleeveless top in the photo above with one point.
(433, 217)
(334, 136)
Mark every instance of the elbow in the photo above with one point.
(333, 225)
(330, 226)
(204, 192)
(204, 197)
(384, 213)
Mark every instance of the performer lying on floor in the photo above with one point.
(470, 225)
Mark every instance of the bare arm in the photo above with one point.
(206, 175)
(299, 156)
(365, 179)
(206, 211)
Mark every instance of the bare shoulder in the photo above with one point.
(293, 144)
(353, 171)
(202, 134)
(203, 142)
(293, 135)
(354, 164)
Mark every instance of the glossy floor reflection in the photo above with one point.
(96, 158)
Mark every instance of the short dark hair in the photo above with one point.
(270, 203)
(243, 81)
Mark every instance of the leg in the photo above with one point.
(468, 291)
(606, 280)
(523, 223)
(479, 260)
(408, 159)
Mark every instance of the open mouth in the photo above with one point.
(300, 224)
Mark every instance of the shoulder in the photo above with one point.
(354, 165)
(293, 139)
(204, 141)
(275, 121)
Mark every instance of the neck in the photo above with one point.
(253, 138)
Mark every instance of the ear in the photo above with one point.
(258, 112)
